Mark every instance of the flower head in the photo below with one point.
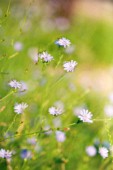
(26, 154)
(15, 84)
(45, 57)
(63, 42)
(85, 116)
(60, 136)
(103, 152)
(55, 111)
(19, 108)
(91, 151)
(70, 66)
(5, 154)
(8, 154)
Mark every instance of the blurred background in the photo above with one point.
(28, 27)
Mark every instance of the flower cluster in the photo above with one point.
(99, 148)
(91, 151)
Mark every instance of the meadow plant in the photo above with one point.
(45, 113)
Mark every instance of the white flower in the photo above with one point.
(60, 136)
(19, 108)
(5, 154)
(55, 111)
(18, 46)
(103, 152)
(63, 42)
(2, 153)
(85, 116)
(15, 84)
(46, 57)
(91, 151)
(8, 154)
(70, 66)
(108, 110)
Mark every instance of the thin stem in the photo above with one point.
(38, 132)
(11, 124)
(9, 94)
(59, 61)
(58, 80)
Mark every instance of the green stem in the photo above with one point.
(11, 124)
(9, 94)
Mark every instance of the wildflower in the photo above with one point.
(70, 66)
(91, 151)
(46, 57)
(63, 42)
(103, 152)
(60, 136)
(55, 111)
(85, 116)
(15, 84)
(18, 46)
(26, 154)
(19, 108)
(5, 154)
(8, 154)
